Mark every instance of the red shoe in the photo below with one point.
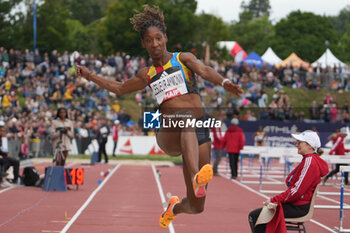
(201, 179)
(167, 216)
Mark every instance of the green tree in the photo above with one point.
(344, 46)
(85, 11)
(9, 24)
(209, 30)
(258, 8)
(254, 35)
(92, 31)
(117, 34)
(304, 34)
(51, 26)
(245, 17)
(181, 20)
(78, 36)
(340, 22)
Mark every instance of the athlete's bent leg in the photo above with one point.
(192, 204)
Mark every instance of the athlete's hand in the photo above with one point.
(82, 71)
(233, 88)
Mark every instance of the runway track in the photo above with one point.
(129, 199)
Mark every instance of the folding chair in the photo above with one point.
(297, 224)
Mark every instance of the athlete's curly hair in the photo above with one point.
(151, 16)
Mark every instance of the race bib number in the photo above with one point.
(168, 84)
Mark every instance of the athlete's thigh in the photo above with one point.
(169, 141)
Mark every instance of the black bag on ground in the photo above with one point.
(31, 176)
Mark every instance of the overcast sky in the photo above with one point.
(229, 10)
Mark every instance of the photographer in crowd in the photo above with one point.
(6, 158)
(102, 138)
(62, 132)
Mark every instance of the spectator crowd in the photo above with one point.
(34, 85)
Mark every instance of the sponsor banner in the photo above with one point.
(279, 132)
(129, 145)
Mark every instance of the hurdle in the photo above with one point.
(341, 211)
(264, 163)
(250, 151)
(278, 153)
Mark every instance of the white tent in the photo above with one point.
(328, 59)
(228, 44)
(270, 57)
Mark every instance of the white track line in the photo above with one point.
(246, 187)
(29, 208)
(24, 211)
(323, 226)
(87, 202)
(8, 188)
(262, 195)
(161, 194)
(331, 200)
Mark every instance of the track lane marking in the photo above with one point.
(23, 211)
(87, 202)
(161, 194)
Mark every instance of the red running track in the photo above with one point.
(128, 200)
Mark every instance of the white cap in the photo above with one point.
(14, 119)
(234, 121)
(344, 130)
(116, 122)
(2, 123)
(310, 137)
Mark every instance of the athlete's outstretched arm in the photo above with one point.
(136, 83)
(208, 73)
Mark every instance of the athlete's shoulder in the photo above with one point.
(186, 56)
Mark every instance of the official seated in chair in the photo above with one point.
(301, 183)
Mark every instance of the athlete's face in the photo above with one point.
(154, 41)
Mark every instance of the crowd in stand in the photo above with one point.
(34, 85)
(258, 105)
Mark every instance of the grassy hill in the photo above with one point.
(300, 100)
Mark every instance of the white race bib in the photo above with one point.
(169, 85)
